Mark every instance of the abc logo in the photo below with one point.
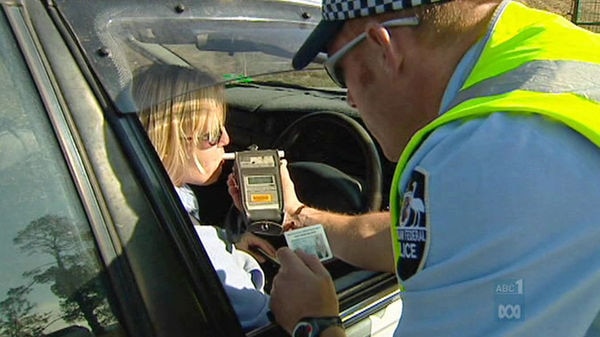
(509, 311)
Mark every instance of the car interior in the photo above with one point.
(334, 161)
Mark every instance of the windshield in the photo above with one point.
(248, 42)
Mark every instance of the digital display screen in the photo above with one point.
(257, 180)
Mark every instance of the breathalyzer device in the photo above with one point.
(259, 180)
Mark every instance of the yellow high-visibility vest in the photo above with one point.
(534, 62)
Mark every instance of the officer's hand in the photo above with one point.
(301, 288)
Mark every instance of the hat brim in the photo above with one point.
(316, 42)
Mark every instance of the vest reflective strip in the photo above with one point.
(523, 35)
(551, 77)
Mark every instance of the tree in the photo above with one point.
(74, 276)
(16, 318)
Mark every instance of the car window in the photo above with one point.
(239, 41)
(52, 282)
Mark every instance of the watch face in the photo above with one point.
(302, 329)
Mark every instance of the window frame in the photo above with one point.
(139, 271)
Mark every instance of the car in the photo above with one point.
(95, 241)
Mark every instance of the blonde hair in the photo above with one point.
(175, 104)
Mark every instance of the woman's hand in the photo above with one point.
(234, 190)
(249, 242)
(290, 199)
(292, 205)
(291, 202)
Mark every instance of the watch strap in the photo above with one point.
(313, 326)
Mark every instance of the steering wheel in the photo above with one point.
(318, 182)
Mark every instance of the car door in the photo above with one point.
(94, 242)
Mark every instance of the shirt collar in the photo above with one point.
(188, 199)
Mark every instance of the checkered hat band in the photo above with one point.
(350, 9)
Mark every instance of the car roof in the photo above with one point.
(237, 40)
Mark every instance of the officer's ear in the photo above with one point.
(388, 55)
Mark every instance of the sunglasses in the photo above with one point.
(336, 73)
(212, 138)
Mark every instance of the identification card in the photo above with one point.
(311, 240)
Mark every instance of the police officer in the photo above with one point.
(492, 111)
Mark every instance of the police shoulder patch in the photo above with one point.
(413, 225)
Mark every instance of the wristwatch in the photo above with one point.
(313, 326)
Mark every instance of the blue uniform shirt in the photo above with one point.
(512, 204)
